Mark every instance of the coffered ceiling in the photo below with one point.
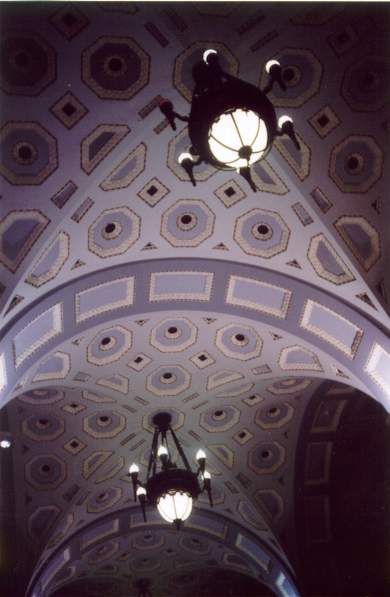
(125, 290)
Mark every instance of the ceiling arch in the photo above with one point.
(351, 345)
(209, 540)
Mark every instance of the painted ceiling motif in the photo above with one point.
(124, 290)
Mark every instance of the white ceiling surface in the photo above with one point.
(208, 30)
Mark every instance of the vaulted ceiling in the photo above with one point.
(126, 291)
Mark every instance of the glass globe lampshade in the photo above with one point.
(175, 505)
(238, 138)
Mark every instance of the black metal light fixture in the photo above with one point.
(232, 124)
(169, 487)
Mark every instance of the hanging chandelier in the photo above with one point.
(232, 124)
(169, 487)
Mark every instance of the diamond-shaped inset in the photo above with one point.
(153, 192)
(74, 446)
(243, 436)
(69, 21)
(202, 359)
(69, 110)
(324, 121)
(139, 362)
(73, 408)
(253, 399)
(230, 193)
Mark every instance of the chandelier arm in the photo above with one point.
(198, 161)
(188, 165)
(246, 173)
(210, 497)
(268, 87)
(152, 457)
(207, 488)
(143, 508)
(288, 129)
(180, 449)
(166, 107)
(180, 117)
(135, 485)
(275, 73)
(165, 461)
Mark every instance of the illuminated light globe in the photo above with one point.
(175, 506)
(238, 138)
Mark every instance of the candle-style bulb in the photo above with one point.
(162, 451)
